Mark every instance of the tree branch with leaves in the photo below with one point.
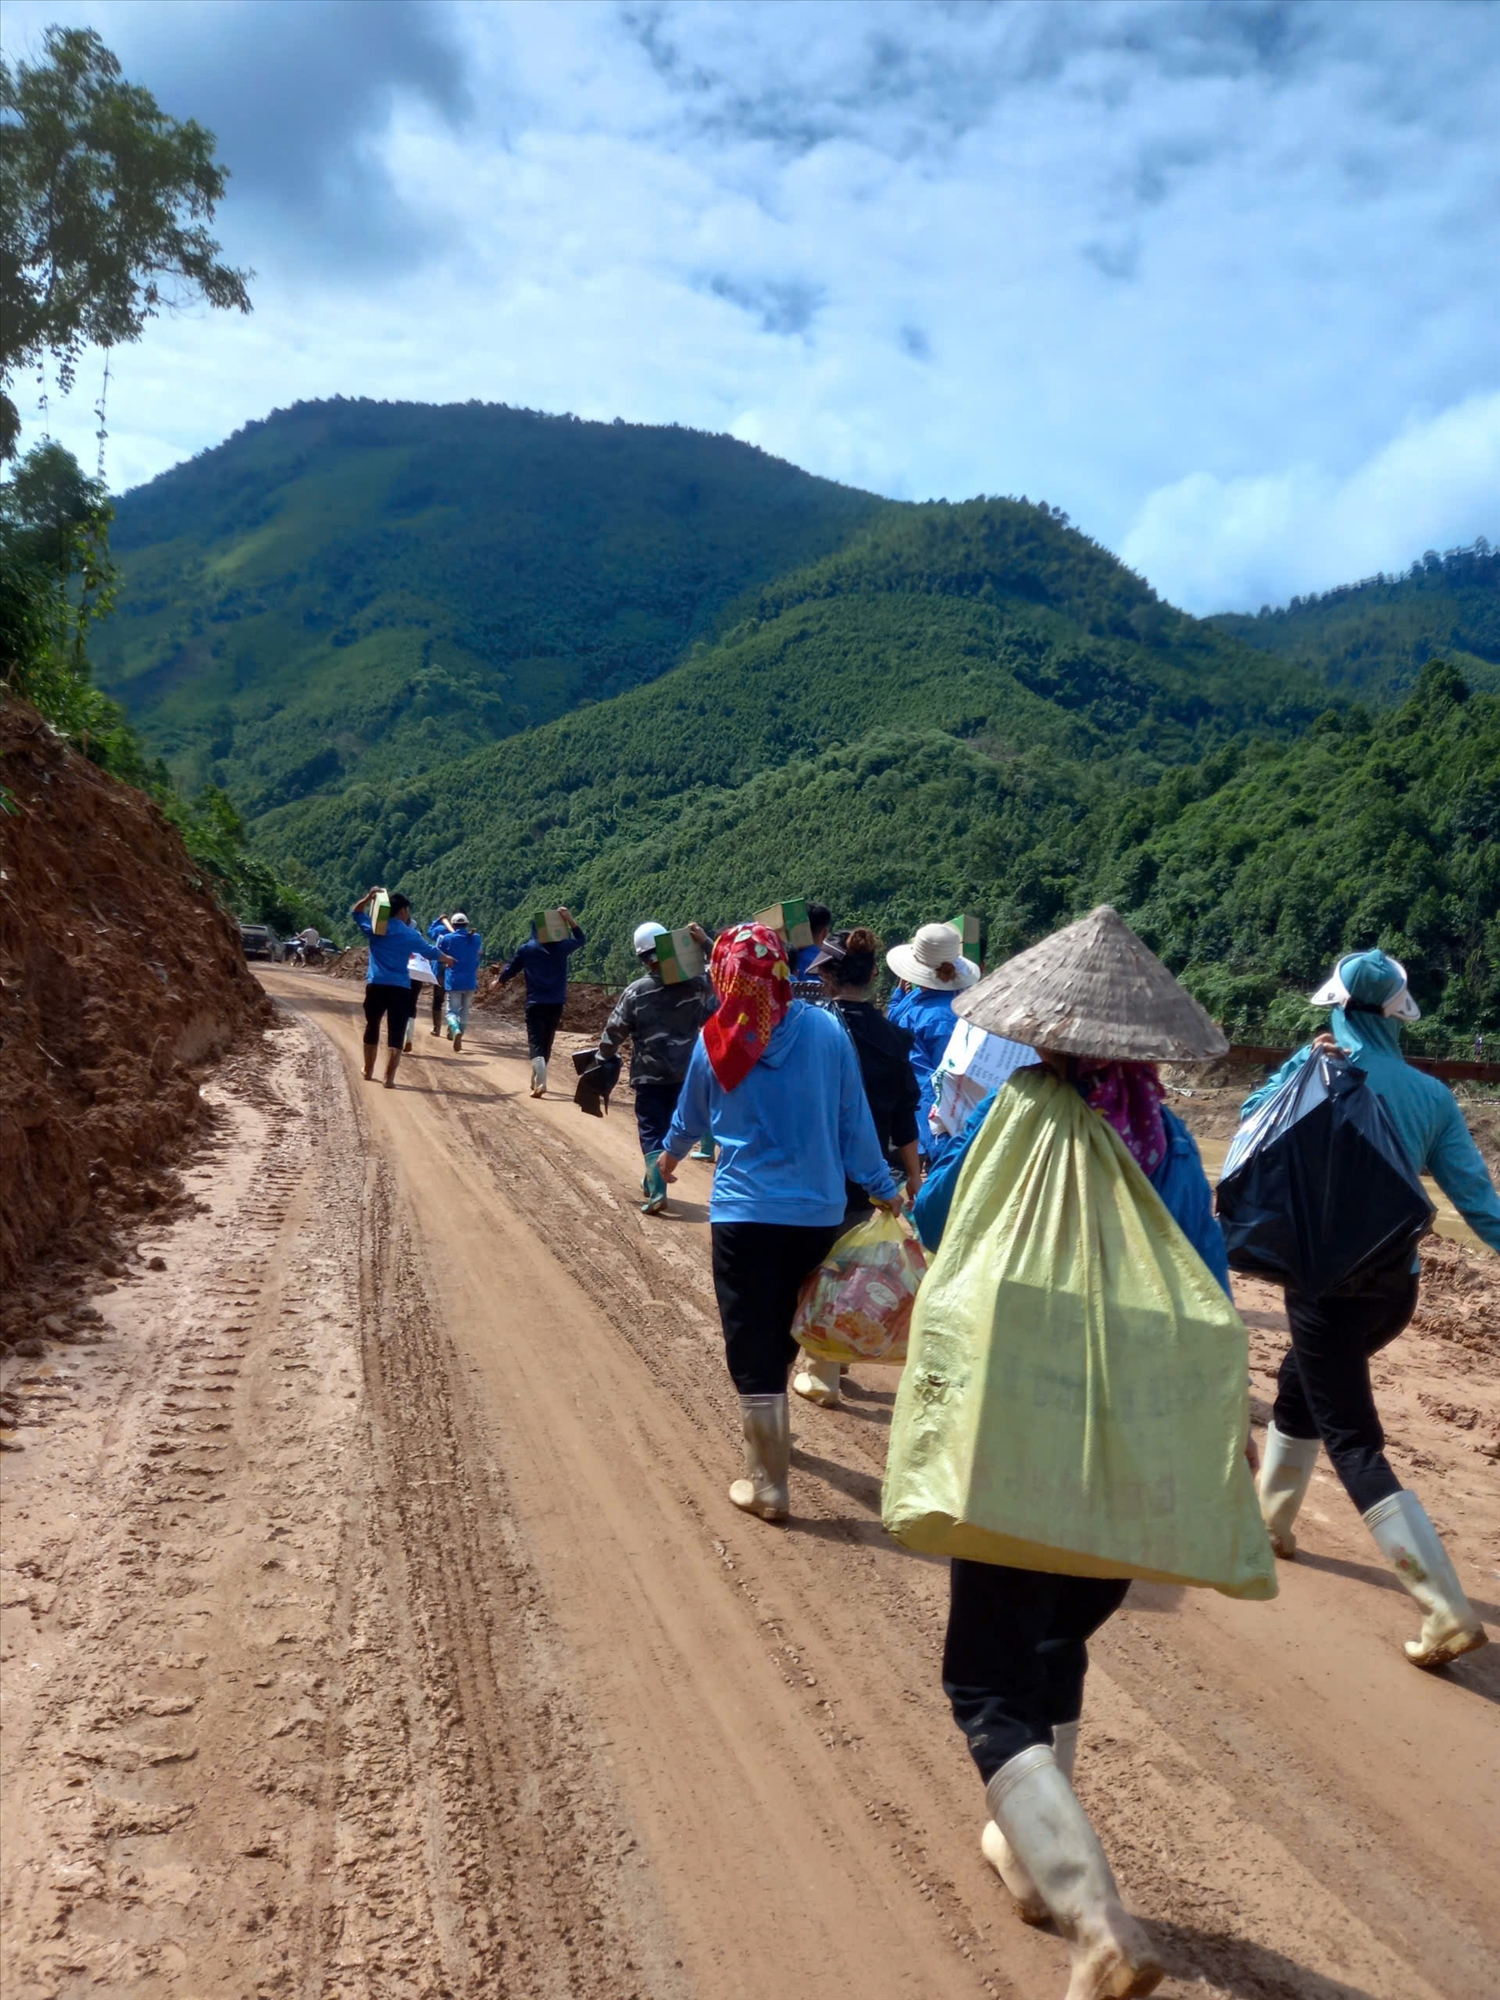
(105, 203)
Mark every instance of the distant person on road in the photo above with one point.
(546, 969)
(461, 980)
(662, 1025)
(1323, 1391)
(846, 967)
(932, 968)
(388, 989)
(778, 1083)
(437, 930)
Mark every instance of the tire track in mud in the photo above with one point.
(303, 1729)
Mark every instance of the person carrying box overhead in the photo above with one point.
(461, 979)
(661, 1021)
(388, 987)
(544, 961)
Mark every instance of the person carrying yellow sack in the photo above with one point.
(1074, 1411)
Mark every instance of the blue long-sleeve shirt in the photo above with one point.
(1179, 1180)
(389, 953)
(928, 1018)
(545, 967)
(1424, 1112)
(464, 948)
(792, 1132)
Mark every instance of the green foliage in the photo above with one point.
(1360, 833)
(55, 575)
(103, 207)
(379, 589)
(1372, 638)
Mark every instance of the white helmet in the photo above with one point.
(646, 936)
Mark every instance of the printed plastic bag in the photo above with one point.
(1075, 1396)
(1317, 1190)
(972, 1065)
(857, 1305)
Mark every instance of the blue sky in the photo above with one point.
(1219, 277)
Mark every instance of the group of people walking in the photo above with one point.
(816, 1101)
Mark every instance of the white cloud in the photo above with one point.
(1186, 269)
(1211, 544)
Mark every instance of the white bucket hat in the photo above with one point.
(934, 945)
(1374, 981)
(646, 935)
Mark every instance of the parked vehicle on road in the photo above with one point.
(260, 941)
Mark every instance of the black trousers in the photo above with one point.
(394, 1005)
(1017, 1651)
(654, 1105)
(758, 1271)
(437, 1010)
(542, 1017)
(1323, 1390)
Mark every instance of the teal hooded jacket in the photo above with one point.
(1424, 1112)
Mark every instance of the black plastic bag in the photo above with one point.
(1317, 1191)
(595, 1081)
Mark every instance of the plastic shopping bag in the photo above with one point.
(857, 1305)
(1317, 1191)
(1075, 1396)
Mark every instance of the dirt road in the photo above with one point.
(375, 1623)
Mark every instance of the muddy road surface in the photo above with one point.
(375, 1623)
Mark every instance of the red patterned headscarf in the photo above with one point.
(754, 984)
(1129, 1095)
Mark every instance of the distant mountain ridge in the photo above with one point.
(358, 584)
(1372, 638)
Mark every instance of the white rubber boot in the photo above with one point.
(1286, 1470)
(819, 1381)
(538, 1076)
(767, 1426)
(1411, 1545)
(1031, 1904)
(1049, 1833)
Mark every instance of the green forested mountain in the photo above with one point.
(895, 726)
(385, 587)
(1373, 638)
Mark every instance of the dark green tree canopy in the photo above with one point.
(104, 202)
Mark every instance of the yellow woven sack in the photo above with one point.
(1075, 1392)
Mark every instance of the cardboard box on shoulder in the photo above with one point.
(975, 933)
(790, 919)
(551, 926)
(380, 912)
(679, 957)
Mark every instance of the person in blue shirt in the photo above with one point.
(546, 968)
(778, 1082)
(1323, 1394)
(932, 969)
(436, 931)
(461, 980)
(388, 989)
(806, 984)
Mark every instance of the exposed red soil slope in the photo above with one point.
(118, 975)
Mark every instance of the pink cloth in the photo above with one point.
(1129, 1095)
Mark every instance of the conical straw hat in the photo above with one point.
(1093, 990)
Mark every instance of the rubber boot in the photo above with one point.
(653, 1187)
(1286, 1470)
(1413, 1548)
(539, 1076)
(1031, 1905)
(1049, 1832)
(704, 1150)
(818, 1381)
(767, 1427)
(458, 1040)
